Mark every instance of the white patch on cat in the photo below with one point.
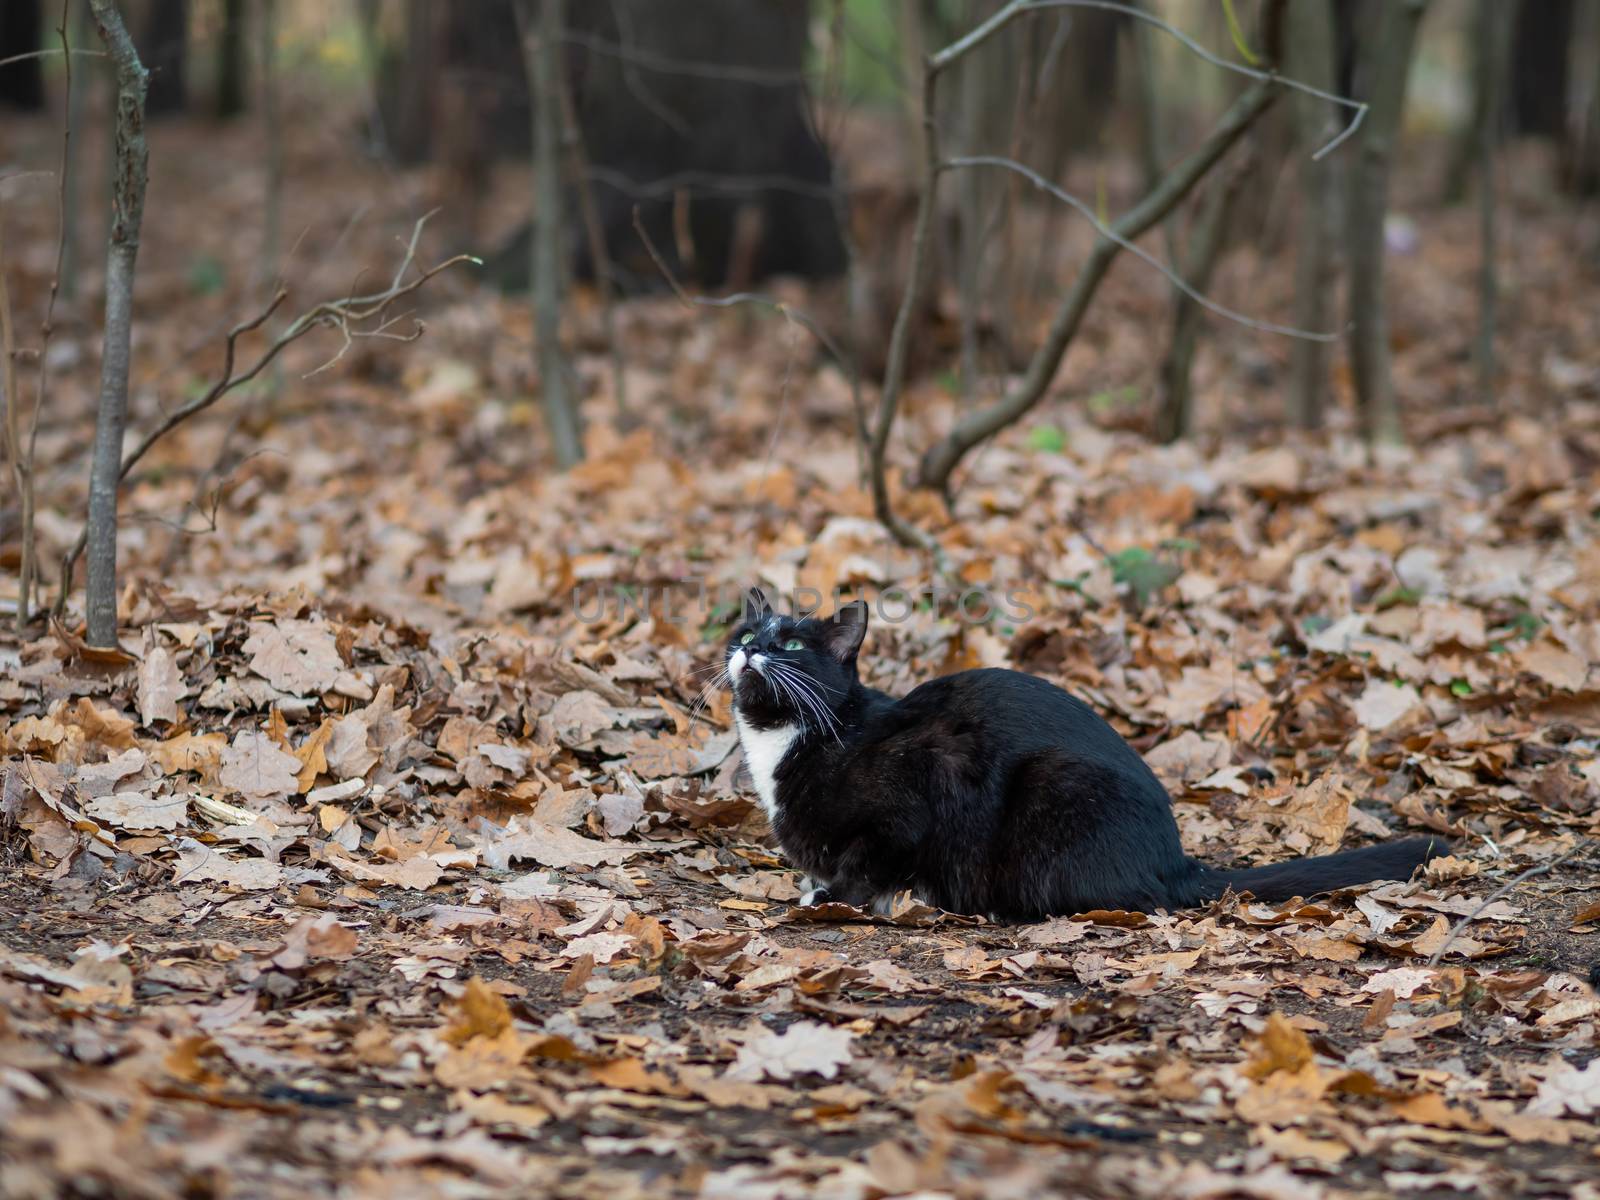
(763, 751)
(736, 665)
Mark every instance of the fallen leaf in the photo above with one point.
(255, 767)
(297, 657)
(160, 687)
(805, 1047)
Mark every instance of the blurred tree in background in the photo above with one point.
(952, 180)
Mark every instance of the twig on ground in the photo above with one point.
(1499, 894)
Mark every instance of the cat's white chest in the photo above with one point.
(763, 751)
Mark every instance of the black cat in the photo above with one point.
(986, 791)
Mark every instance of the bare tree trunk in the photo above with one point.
(542, 51)
(164, 42)
(1206, 242)
(987, 83)
(230, 60)
(272, 214)
(911, 37)
(1580, 148)
(1152, 130)
(594, 235)
(1493, 33)
(1310, 60)
(127, 205)
(1386, 64)
(21, 31)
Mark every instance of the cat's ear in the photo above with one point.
(845, 630)
(756, 607)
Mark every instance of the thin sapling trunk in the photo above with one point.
(1388, 52)
(131, 169)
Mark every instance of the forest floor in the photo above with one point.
(384, 858)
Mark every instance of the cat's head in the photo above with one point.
(794, 670)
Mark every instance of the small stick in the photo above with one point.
(1530, 873)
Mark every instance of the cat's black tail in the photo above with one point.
(1325, 873)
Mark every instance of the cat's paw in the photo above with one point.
(812, 892)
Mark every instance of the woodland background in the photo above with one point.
(345, 850)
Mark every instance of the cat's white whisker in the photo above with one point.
(803, 690)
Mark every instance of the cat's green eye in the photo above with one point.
(747, 639)
(794, 644)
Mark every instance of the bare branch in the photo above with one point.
(16, 58)
(1107, 231)
(1017, 8)
(344, 315)
(942, 458)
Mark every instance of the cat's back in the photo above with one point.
(1024, 712)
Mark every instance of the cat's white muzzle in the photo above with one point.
(740, 660)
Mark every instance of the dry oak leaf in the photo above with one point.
(551, 846)
(1188, 757)
(313, 755)
(135, 810)
(160, 686)
(602, 947)
(672, 754)
(347, 753)
(198, 863)
(806, 1047)
(480, 1013)
(315, 937)
(104, 726)
(578, 716)
(1559, 668)
(255, 766)
(297, 657)
(1279, 1047)
(485, 1045)
(418, 873)
(1384, 704)
(1287, 1084)
(1567, 1089)
(183, 1061)
(1437, 936)
(101, 779)
(1402, 981)
(99, 976)
(197, 752)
